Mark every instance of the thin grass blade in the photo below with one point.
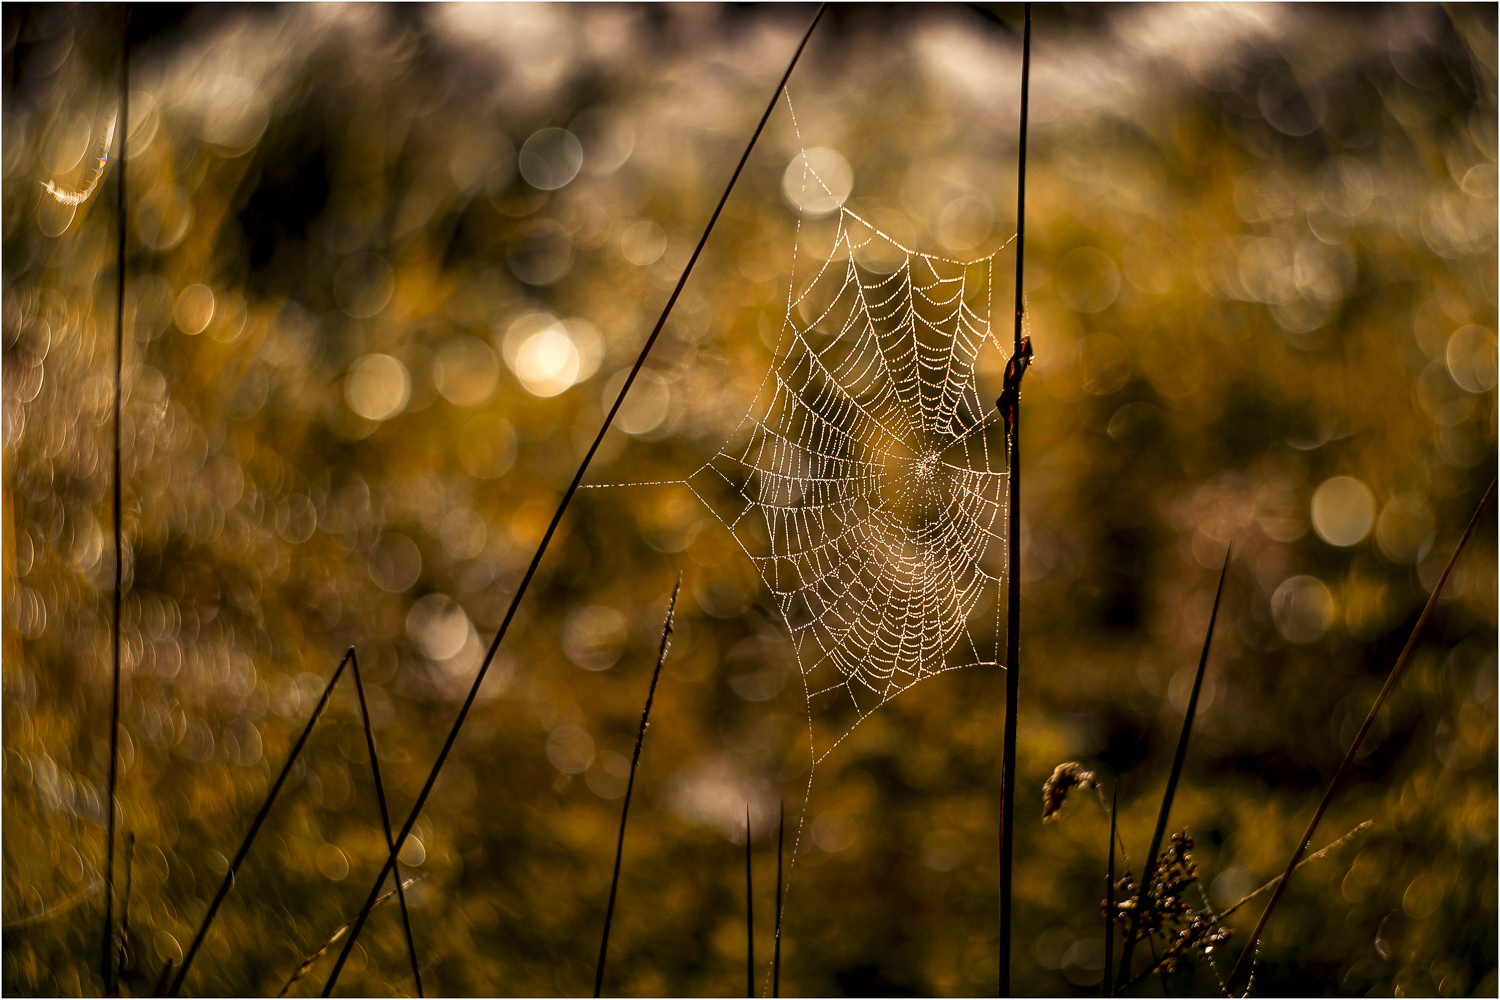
(385, 820)
(536, 559)
(635, 759)
(749, 914)
(1149, 862)
(1013, 545)
(260, 817)
(111, 804)
(1241, 967)
(776, 955)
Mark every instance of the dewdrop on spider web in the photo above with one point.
(66, 197)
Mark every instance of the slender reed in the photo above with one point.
(635, 759)
(749, 914)
(160, 990)
(1171, 790)
(776, 955)
(562, 507)
(114, 705)
(1176, 947)
(1010, 407)
(385, 820)
(1109, 892)
(1242, 965)
(260, 817)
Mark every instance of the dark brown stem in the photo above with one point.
(635, 759)
(557, 516)
(111, 805)
(1010, 407)
(749, 913)
(776, 956)
(1241, 967)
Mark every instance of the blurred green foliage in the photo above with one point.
(1261, 269)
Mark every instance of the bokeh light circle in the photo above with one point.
(594, 636)
(570, 748)
(437, 626)
(466, 371)
(195, 309)
(395, 562)
(1302, 609)
(550, 159)
(1471, 358)
(363, 285)
(1405, 529)
(643, 243)
(1343, 509)
(377, 387)
(818, 181)
(547, 363)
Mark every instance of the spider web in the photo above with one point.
(861, 485)
(860, 482)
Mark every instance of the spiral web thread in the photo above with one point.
(860, 483)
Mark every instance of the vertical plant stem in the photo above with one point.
(1241, 967)
(562, 507)
(111, 806)
(260, 817)
(635, 759)
(1109, 895)
(1148, 865)
(1013, 545)
(776, 955)
(749, 914)
(385, 820)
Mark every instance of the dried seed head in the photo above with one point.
(1064, 779)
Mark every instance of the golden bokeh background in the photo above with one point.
(386, 268)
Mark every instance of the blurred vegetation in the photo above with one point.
(375, 309)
